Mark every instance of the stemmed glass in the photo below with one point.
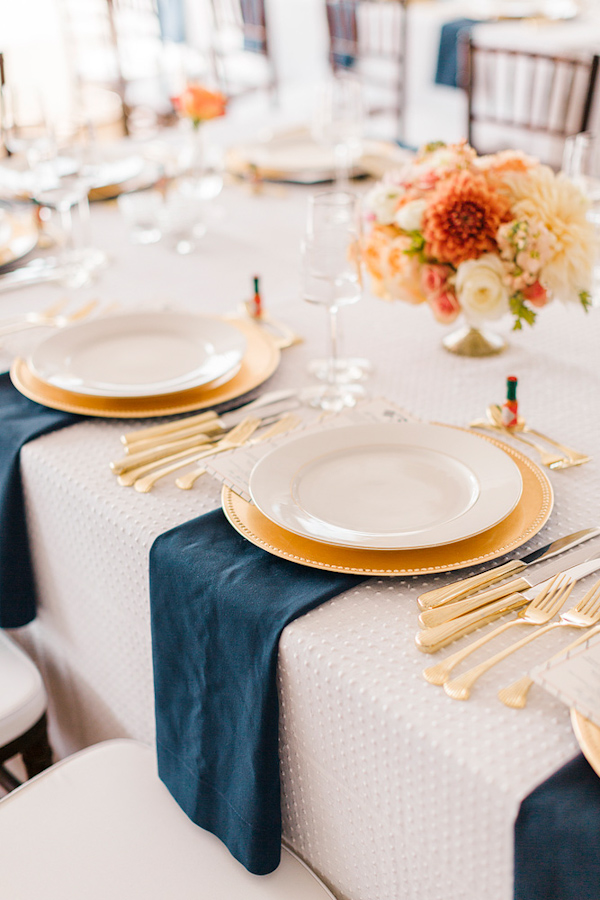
(338, 122)
(66, 192)
(331, 277)
(25, 128)
(581, 163)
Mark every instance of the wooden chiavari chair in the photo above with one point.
(240, 33)
(528, 101)
(368, 38)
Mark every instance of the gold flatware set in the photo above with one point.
(154, 452)
(546, 600)
(566, 458)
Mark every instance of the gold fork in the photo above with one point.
(584, 614)
(542, 608)
(36, 320)
(236, 437)
(551, 460)
(286, 423)
(515, 695)
(574, 457)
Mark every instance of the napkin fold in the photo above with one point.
(218, 607)
(557, 837)
(21, 420)
(448, 64)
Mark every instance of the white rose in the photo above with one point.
(410, 216)
(481, 290)
(383, 201)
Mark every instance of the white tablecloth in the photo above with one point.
(390, 789)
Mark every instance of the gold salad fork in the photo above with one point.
(584, 614)
(573, 457)
(50, 317)
(551, 460)
(542, 608)
(286, 423)
(515, 695)
(236, 437)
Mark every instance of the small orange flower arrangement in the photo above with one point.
(481, 235)
(199, 104)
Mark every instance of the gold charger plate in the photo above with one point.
(527, 518)
(588, 738)
(260, 361)
(23, 239)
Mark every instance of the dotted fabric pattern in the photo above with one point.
(390, 789)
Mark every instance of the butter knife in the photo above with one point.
(451, 592)
(430, 618)
(432, 639)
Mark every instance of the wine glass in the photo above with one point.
(581, 163)
(25, 127)
(331, 277)
(338, 122)
(65, 190)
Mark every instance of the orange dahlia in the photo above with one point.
(462, 218)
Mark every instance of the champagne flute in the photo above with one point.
(338, 122)
(581, 163)
(331, 277)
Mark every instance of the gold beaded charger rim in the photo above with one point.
(588, 738)
(260, 361)
(527, 518)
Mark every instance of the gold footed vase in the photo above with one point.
(471, 341)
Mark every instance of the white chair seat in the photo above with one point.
(101, 824)
(22, 695)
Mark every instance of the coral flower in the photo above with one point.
(198, 104)
(462, 218)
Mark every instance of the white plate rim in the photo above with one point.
(233, 348)
(271, 493)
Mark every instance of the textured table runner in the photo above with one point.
(21, 420)
(557, 837)
(218, 606)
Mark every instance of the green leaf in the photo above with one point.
(434, 145)
(521, 312)
(586, 299)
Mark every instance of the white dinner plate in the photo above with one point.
(139, 354)
(113, 171)
(386, 486)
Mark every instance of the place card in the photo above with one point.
(234, 467)
(574, 677)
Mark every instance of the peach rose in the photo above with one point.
(445, 306)
(402, 272)
(536, 294)
(433, 278)
(198, 104)
(374, 249)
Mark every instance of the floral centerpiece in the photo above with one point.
(198, 104)
(195, 106)
(481, 235)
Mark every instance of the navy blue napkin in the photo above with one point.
(218, 607)
(448, 62)
(21, 420)
(557, 837)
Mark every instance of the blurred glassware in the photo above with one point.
(142, 213)
(331, 277)
(581, 163)
(67, 194)
(180, 218)
(25, 126)
(338, 121)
